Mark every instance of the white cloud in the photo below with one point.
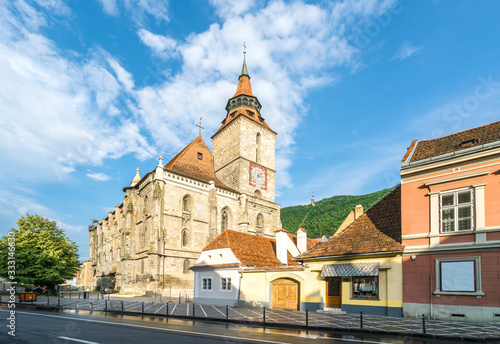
(109, 7)
(101, 177)
(125, 78)
(137, 10)
(230, 8)
(405, 50)
(161, 45)
(56, 113)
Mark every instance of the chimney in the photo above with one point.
(358, 211)
(281, 246)
(302, 240)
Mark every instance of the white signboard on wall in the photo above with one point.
(458, 276)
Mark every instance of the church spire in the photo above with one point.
(244, 86)
(244, 96)
(244, 70)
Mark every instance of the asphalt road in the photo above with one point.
(34, 326)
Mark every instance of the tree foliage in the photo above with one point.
(328, 214)
(44, 255)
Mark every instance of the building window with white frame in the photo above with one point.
(458, 276)
(206, 284)
(457, 209)
(225, 283)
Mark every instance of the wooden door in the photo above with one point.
(285, 294)
(333, 292)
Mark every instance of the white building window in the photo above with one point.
(457, 209)
(458, 276)
(206, 284)
(225, 283)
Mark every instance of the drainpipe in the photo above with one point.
(239, 287)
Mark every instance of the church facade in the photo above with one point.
(149, 241)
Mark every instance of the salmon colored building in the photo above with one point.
(450, 218)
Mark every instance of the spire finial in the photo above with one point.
(160, 161)
(244, 70)
(199, 126)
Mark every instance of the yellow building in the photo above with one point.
(360, 269)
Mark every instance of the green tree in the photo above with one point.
(43, 256)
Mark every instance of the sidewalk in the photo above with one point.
(286, 318)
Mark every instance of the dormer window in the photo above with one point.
(468, 143)
(200, 156)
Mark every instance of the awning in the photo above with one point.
(350, 269)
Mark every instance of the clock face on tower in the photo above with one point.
(258, 176)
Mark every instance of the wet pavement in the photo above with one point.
(284, 318)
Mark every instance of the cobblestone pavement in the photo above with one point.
(400, 326)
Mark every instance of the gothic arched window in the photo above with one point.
(225, 217)
(257, 148)
(186, 265)
(146, 205)
(260, 224)
(143, 238)
(184, 238)
(187, 203)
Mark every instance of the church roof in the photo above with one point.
(376, 231)
(243, 111)
(254, 252)
(452, 143)
(197, 162)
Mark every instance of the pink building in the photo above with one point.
(450, 218)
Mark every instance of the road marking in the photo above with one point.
(173, 309)
(159, 308)
(201, 334)
(244, 316)
(218, 311)
(77, 340)
(151, 305)
(203, 311)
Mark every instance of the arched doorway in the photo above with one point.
(285, 294)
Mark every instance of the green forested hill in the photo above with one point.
(328, 214)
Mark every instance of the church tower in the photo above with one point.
(244, 145)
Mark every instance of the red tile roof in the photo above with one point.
(244, 86)
(187, 163)
(465, 139)
(377, 230)
(254, 252)
(248, 112)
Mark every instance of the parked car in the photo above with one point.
(107, 290)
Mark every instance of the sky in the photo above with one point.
(92, 89)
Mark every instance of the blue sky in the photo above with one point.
(92, 89)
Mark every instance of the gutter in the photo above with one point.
(347, 255)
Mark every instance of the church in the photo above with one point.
(148, 242)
